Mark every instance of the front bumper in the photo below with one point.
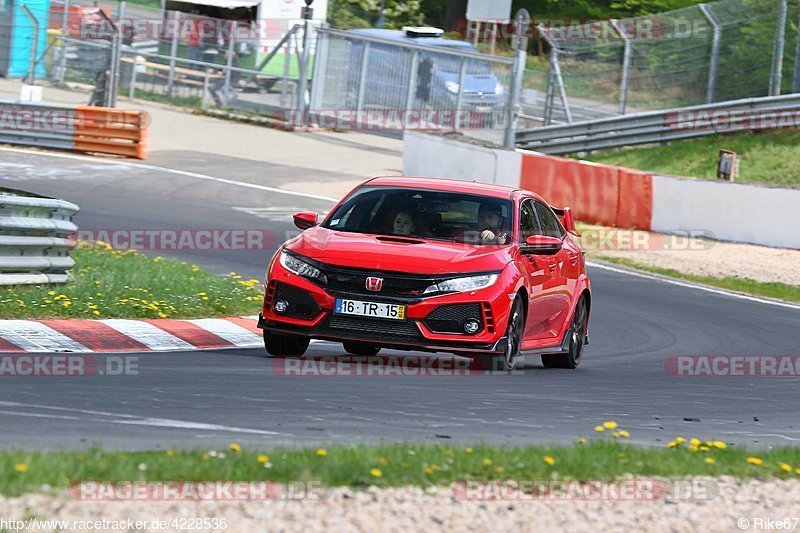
(431, 323)
(324, 331)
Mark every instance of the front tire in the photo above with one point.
(285, 345)
(359, 348)
(577, 340)
(516, 325)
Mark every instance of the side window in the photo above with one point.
(550, 224)
(529, 223)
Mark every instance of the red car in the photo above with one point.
(434, 265)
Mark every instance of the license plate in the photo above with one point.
(370, 309)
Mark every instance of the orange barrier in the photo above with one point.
(111, 131)
(603, 194)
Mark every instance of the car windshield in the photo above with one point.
(420, 213)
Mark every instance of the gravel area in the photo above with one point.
(717, 507)
(702, 257)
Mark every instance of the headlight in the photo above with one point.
(471, 283)
(301, 268)
(451, 86)
(498, 89)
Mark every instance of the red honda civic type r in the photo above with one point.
(434, 265)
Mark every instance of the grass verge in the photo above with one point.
(780, 291)
(109, 283)
(394, 465)
(765, 157)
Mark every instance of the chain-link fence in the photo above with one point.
(711, 52)
(375, 80)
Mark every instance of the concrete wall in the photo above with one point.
(436, 156)
(730, 211)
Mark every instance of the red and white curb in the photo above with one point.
(122, 335)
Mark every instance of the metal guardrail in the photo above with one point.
(657, 126)
(35, 239)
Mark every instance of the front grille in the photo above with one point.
(370, 328)
(353, 282)
(450, 318)
(301, 303)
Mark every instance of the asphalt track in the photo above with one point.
(206, 399)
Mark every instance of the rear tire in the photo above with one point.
(359, 348)
(577, 340)
(516, 325)
(285, 345)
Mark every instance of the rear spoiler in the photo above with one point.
(565, 214)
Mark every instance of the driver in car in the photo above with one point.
(490, 218)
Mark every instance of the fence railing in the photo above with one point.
(660, 126)
(35, 239)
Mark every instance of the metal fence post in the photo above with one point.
(229, 64)
(554, 79)
(520, 46)
(462, 74)
(362, 77)
(132, 88)
(173, 51)
(776, 75)
(62, 60)
(204, 99)
(302, 88)
(796, 80)
(713, 65)
(113, 63)
(411, 93)
(626, 66)
(31, 78)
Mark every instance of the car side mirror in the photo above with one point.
(305, 220)
(542, 245)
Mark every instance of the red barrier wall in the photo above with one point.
(603, 194)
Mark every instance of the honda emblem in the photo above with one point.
(374, 284)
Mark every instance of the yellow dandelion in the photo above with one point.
(95, 312)
(610, 425)
(322, 452)
(262, 459)
(487, 462)
(581, 440)
(383, 461)
(719, 444)
(21, 468)
(695, 442)
(709, 460)
(693, 448)
(673, 444)
(376, 472)
(549, 460)
(785, 467)
(797, 471)
(171, 452)
(599, 428)
(680, 440)
(704, 448)
(468, 450)
(624, 433)
(235, 447)
(754, 461)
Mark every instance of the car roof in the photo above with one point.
(443, 184)
(399, 36)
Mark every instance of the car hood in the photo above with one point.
(360, 250)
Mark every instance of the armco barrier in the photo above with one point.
(81, 129)
(35, 239)
(617, 196)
